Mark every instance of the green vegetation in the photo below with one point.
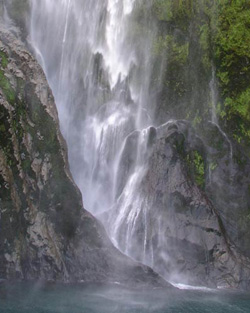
(233, 62)
(184, 43)
(177, 53)
(195, 36)
(176, 58)
(177, 11)
(4, 59)
(46, 139)
(213, 165)
(27, 115)
(163, 10)
(194, 159)
(5, 137)
(6, 88)
(196, 167)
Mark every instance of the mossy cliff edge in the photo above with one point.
(201, 37)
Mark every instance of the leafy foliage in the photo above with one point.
(4, 59)
(233, 62)
(176, 11)
(217, 33)
(196, 167)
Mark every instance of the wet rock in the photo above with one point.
(16, 12)
(173, 222)
(45, 233)
(228, 181)
(127, 161)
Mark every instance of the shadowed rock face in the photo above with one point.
(186, 236)
(44, 231)
(197, 245)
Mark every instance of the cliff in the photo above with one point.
(45, 233)
(190, 210)
(186, 222)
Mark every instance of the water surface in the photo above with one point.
(41, 298)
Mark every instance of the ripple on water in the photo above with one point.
(51, 298)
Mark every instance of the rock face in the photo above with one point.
(44, 231)
(182, 228)
(188, 216)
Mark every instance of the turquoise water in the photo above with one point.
(38, 298)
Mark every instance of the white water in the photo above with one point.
(190, 287)
(97, 59)
(214, 96)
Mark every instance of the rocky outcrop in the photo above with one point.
(44, 231)
(179, 224)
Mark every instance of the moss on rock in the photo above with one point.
(196, 167)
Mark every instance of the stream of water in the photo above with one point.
(98, 56)
(97, 59)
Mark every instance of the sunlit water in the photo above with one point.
(26, 298)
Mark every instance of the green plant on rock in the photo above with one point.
(177, 11)
(238, 112)
(232, 45)
(213, 165)
(233, 62)
(175, 52)
(4, 59)
(196, 167)
(186, 40)
(6, 88)
(163, 10)
(176, 57)
(197, 120)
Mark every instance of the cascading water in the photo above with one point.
(168, 194)
(98, 63)
(214, 119)
(98, 59)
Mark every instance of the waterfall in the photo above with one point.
(214, 96)
(214, 102)
(97, 59)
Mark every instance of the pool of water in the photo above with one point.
(51, 298)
